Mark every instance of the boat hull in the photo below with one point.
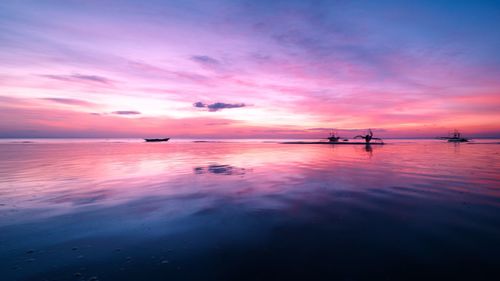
(458, 140)
(157, 140)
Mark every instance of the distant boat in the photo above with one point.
(369, 137)
(456, 137)
(458, 140)
(156, 140)
(333, 137)
(333, 143)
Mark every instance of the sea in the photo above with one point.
(124, 209)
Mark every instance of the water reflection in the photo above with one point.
(248, 211)
(369, 149)
(219, 170)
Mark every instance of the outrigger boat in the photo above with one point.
(369, 137)
(333, 143)
(334, 139)
(156, 140)
(456, 137)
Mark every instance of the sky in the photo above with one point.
(249, 69)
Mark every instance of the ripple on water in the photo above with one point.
(249, 208)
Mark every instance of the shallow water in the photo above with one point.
(248, 210)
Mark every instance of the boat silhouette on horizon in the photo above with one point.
(157, 140)
(334, 139)
(456, 137)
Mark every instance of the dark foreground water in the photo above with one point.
(425, 210)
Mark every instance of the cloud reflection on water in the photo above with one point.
(407, 198)
(219, 170)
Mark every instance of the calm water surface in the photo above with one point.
(112, 210)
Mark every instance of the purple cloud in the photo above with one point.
(93, 78)
(78, 77)
(199, 104)
(218, 105)
(205, 60)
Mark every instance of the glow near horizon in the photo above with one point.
(83, 68)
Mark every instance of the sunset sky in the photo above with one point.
(249, 69)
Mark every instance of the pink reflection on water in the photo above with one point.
(59, 178)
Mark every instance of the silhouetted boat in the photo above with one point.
(332, 143)
(156, 140)
(368, 137)
(457, 137)
(458, 140)
(333, 137)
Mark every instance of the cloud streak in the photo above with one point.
(69, 101)
(205, 60)
(78, 78)
(126, 112)
(218, 106)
